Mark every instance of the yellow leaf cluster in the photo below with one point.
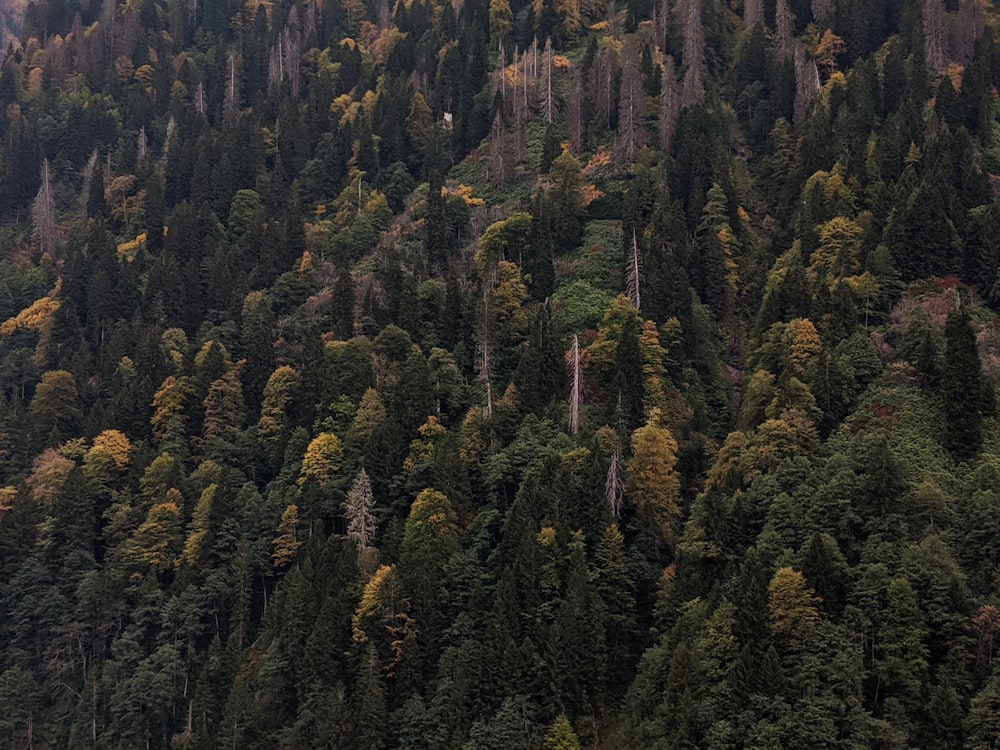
(650, 478)
(7, 495)
(128, 248)
(115, 445)
(791, 604)
(804, 343)
(371, 600)
(465, 193)
(590, 193)
(35, 316)
(286, 543)
(322, 460)
(601, 158)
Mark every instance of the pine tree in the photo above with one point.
(963, 389)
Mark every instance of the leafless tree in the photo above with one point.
(633, 272)
(784, 26)
(575, 387)
(696, 66)
(358, 509)
(670, 104)
(968, 29)
(614, 486)
(753, 12)
(43, 214)
(822, 11)
(807, 85)
(935, 34)
(631, 102)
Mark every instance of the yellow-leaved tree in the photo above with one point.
(792, 605)
(320, 467)
(382, 622)
(651, 482)
(286, 542)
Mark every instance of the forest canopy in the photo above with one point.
(499, 374)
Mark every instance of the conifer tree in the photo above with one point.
(962, 386)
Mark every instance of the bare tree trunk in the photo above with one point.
(43, 214)
(807, 86)
(550, 104)
(575, 385)
(970, 26)
(633, 272)
(693, 51)
(670, 104)
(753, 12)
(822, 11)
(784, 23)
(935, 39)
(574, 116)
(631, 104)
(614, 486)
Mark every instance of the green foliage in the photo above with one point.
(284, 451)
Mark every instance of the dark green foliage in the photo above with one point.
(360, 223)
(965, 400)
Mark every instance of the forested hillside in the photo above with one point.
(492, 375)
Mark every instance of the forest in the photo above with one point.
(495, 374)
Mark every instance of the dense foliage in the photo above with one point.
(499, 374)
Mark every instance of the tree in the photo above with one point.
(670, 104)
(616, 357)
(55, 406)
(574, 365)
(561, 736)
(286, 544)
(784, 26)
(632, 102)
(695, 63)
(966, 398)
(983, 721)
(225, 410)
(430, 537)
(170, 417)
(321, 467)
(358, 508)
(275, 422)
(935, 34)
(43, 214)
(791, 605)
(651, 482)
